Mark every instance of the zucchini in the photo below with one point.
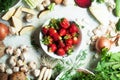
(117, 8)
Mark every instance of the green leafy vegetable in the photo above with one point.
(117, 8)
(100, 1)
(118, 25)
(109, 66)
(6, 4)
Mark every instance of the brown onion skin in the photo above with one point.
(4, 31)
(101, 43)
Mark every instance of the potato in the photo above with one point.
(3, 76)
(17, 76)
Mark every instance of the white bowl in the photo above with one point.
(53, 55)
(73, 72)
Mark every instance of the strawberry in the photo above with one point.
(47, 40)
(61, 44)
(76, 40)
(62, 32)
(68, 49)
(67, 36)
(44, 30)
(69, 41)
(64, 23)
(61, 52)
(73, 28)
(52, 48)
(52, 31)
(83, 3)
(56, 36)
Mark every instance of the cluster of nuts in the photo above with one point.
(17, 62)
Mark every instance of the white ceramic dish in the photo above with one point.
(73, 72)
(53, 55)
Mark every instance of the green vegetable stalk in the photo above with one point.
(117, 8)
(118, 25)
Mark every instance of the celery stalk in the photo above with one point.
(117, 8)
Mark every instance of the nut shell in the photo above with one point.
(17, 76)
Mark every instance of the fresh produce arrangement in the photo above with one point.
(59, 39)
(61, 36)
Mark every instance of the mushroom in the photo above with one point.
(17, 52)
(16, 69)
(2, 67)
(12, 61)
(40, 7)
(24, 68)
(32, 65)
(12, 30)
(24, 48)
(36, 72)
(20, 63)
(9, 50)
(46, 3)
(29, 17)
(9, 71)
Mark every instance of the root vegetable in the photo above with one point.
(4, 31)
(46, 74)
(103, 42)
(50, 73)
(42, 73)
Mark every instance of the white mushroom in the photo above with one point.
(22, 57)
(16, 69)
(2, 67)
(68, 2)
(46, 3)
(17, 52)
(24, 68)
(12, 61)
(40, 7)
(24, 48)
(9, 50)
(36, 72)
(9, 71)
(12, 30)
(20, 62)
(29, 17)
(32, 65)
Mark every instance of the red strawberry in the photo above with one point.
(61, 44)
(61, 52)
(52, 47)
(44, 30)
(73, 28)
(62, 32)
(69, 42)
(56, 36)
(52, 31)
(47, 40)
(68, 49)
(67, 36)
(83, 3)
(64, 23)
(76, 40)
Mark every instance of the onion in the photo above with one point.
(4, 31)
(103, 42)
